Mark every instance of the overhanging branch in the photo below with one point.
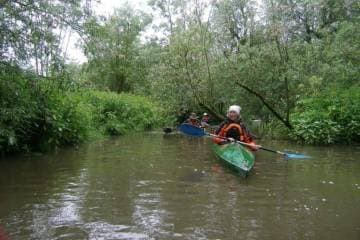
(262, 99)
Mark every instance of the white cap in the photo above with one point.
(235, 108)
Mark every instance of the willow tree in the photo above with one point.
(267, 53)
(38, 31)
(265, 57)
(112, 49)
(187, 58)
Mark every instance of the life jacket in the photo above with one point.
(224, 132)
(243, 135)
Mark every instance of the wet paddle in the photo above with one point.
(195, 131)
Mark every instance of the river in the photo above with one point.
(155, 186)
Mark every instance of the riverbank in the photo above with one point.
(40, 115)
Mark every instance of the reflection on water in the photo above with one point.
(153, 186)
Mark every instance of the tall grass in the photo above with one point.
(35, 114)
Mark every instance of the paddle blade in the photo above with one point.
(296, 156)
(192, 130)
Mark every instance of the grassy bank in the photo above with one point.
(39, 114)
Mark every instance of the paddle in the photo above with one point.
(199, 132)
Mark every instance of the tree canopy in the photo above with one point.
(271, 57)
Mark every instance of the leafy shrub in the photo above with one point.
(117, 114)
(64, 120)
(18, 107)
(37, 114)
(331, 117)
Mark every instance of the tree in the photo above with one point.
(36, 31)
(113, 49)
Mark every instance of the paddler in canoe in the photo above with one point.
(205, 120)
(234, 129)
(193, 120)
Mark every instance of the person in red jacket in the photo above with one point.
(234, 129)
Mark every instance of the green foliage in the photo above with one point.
(36, 114)
(113, 50)
(116, 114)
(208, 55)
(34, 30)
(18, 107)
(295, 50)
(331, 117)
(274, 130)
(65, 120)
(334, 60)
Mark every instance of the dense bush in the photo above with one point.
(64, 119)
(36, 115)
(331, 117)
(18, 107)
(117, 114)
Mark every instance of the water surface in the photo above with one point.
(155, 186)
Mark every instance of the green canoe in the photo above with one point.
(238, 157)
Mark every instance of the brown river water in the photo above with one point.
(155, 186)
